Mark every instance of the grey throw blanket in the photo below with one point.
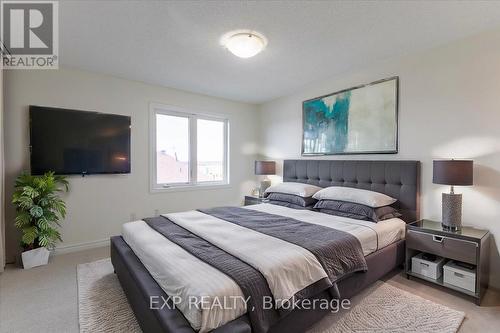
(339, 252)
(253, 285)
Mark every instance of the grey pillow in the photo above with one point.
(293, 199)
(356, 211)
(343, 214)
(290, 205)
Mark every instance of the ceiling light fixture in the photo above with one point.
(244, 43)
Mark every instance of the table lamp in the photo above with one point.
(265, 168)
(454, 173)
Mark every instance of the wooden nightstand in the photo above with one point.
(469, 245)
(252, 200)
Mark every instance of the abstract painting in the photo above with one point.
(359, 120)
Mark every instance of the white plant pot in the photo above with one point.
(36, 257)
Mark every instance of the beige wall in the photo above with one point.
(98, 205)
(449, 107)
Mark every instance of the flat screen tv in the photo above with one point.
(72, 142)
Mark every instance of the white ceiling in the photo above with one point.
(176, 43)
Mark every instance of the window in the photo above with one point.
(189, 149)
(210, 150)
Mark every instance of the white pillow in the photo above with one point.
(356, 195)
(302, 190)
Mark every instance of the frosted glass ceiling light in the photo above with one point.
(244, 43)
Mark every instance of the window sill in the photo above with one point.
(181, 188)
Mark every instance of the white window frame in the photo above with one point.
(157, 108)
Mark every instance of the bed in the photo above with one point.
(148, 264)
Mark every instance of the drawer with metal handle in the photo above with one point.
(452, 248)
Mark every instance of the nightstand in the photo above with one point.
(469, 245)
(252, 200)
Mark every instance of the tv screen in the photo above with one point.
(78, 142)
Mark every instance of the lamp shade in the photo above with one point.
(453, 172)
(265, 167)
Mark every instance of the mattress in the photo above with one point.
(185, 277)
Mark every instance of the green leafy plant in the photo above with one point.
(39, 209)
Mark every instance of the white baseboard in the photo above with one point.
(63, 249)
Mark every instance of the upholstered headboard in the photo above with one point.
(398, 179)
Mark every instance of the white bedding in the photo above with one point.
(179, 272)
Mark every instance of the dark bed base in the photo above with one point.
(139, 286)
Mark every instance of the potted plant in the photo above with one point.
(38, 212)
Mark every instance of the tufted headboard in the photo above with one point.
(398, 179)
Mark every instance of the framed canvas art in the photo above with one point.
(358, 120)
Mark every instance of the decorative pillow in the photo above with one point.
(302, 190)
(293, 199)
(356, 195)
(356, 211)
(290, 205)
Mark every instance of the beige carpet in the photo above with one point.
(103, 307)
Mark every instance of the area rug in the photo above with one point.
(102, 304)
(103, 307)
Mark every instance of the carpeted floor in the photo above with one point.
(381, 308)
(45, 299)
